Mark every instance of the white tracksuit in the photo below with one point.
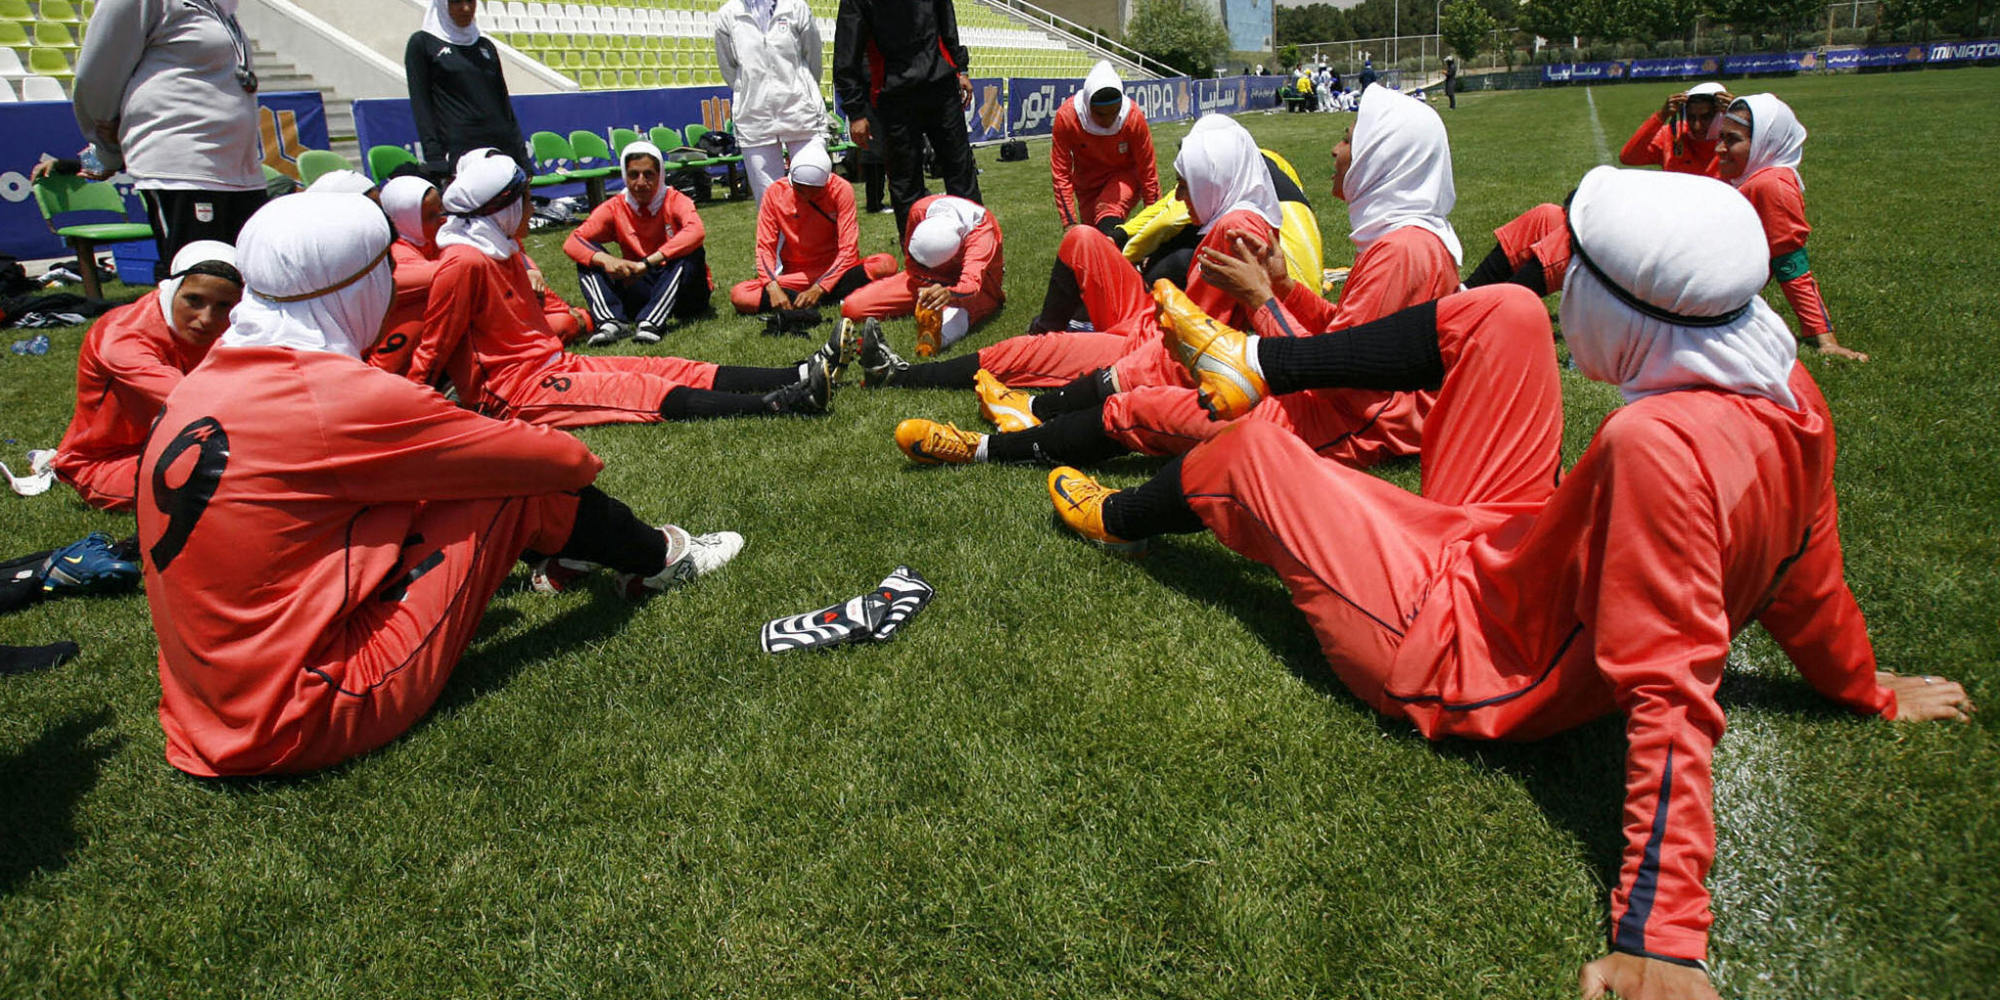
(774, 73)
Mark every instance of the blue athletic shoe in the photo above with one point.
(89, 566)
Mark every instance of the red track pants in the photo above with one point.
(586, 390)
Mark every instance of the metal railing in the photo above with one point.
(1107, 46)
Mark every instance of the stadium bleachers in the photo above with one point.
(38, 46)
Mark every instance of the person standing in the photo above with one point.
(165, 91)
(917, 89)
(1101, 162)
(458, 92)
(769, 54)
(1451, 81)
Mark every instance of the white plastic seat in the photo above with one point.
(536, 11)
(574, 11)
(42, 88)
(10, 65)
(7, 95)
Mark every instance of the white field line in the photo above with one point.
(1775, 917)
(1597, 128)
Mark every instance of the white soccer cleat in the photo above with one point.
(698, 555)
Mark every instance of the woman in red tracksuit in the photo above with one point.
(485, 330)
(131, 359)
(1501, 605)
(1394, 172)
(808, 241)
(1679, 138)
(954, 261)
(1101, 162)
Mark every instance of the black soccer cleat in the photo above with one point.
(879, 364)
(811, 394)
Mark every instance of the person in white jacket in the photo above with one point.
(769, 52)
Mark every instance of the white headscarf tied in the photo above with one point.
(484, 204)
(198, 252)
(1225, 171)
(1102, 77)
(403, 199)
(437, 23)
(811, 165)
(644, 148)
(946, 222)
(316, 275)
(342, 182)
(1682, 259)
(1401, 172)
(1776, 137)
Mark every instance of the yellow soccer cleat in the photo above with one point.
(928, 442)
(1079, 502)
(1008, 409)
(1214, 354)
(930, 331)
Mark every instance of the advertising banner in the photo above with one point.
(1032, 103)
(1165, 100)
(1874, 57)
(288, 124)
(1769, 62)
(1949, 52)
(986, 119)
(1583, 72)
(1653, 69)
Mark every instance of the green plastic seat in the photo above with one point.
(16, 10)
(316, 163)
(628, 78)
(383, 161)
(593, 59)
(666, 138)
(54, 35)
(49, 62)
(553, 158)
(572, 59)
(621, 138)
(14, 35)
(59, 196)
(649, 78)
(586, 78)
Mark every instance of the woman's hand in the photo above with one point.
(934, 297)
(1829, 346)
(1927, 699)
(1250, 273)
(780, 299)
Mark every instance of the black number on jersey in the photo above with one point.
(185, 503)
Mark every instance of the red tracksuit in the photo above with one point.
(804, 243)
(1101, 175)
(1127, 339)
(416, 269)
(1500, 605)
(130, 361)
(320, 539)
(1653, 145)
(676, 229)
(1357, 427)
(975, 277)
(485, 328)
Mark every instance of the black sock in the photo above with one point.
(742, 378)
(1531, 276)
(23, 659)
(1398, 352)
(1061, 301)
(688, 403)
(609, 534)
(1071, 439)
(1086, 392)
(951, 373)
(1156, 507)
(849, 283)
(1109, 227)
(1491, 271)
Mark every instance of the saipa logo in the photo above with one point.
(1038, 108)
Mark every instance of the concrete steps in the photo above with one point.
(275, 73)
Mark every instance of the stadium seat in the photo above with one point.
(622, 137)
(50, 63)
(383, 161)
(592, 163)
(52, 35)
(14, 35)
(16, 10)
(7, 95)
(58, 196)
(553, 158)
(649, 78)
(665, 137)
(42, 88)
(10, 65)
(59, 10)
(628, 79)
(316, 163)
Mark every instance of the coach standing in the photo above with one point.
(898, 67)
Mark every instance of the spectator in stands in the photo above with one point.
(769, 52)
(663, 273)
(458, 93)
(1101, 160)
(165, 92)
(808, 241)
(898, 67)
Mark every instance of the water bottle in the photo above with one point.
(38, 345)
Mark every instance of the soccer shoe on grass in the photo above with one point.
(698, 555)
(811, 394)
(89, 565)
(1010, 410)
(930, 331)
(647, 333)
(837, 353)
(1213, 353)
(553, 576)
(928, 442)
(879, 364)
(1079, 502)
(608, 332)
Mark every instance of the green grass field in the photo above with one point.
(1072, 775)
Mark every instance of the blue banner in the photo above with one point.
(1869, 58)
(1236, 94)
(986, 119)
(1769, 62)
(389, 122)
(289, 123)
(1165, 100)
(1032, 103)
(1645, 69)
(1947, 52)
(1583, 72)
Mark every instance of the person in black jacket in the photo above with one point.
(457, 91)
(898, 69)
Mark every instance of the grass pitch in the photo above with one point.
(1072, 775)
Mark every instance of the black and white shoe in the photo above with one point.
(688, 556)
(608, 332)
(813, 393)
(647, 333)
(879, 364)
(836, 354)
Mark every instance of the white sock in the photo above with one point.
(979, 454)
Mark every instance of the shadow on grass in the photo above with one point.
(41, 785)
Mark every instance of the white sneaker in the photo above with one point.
(698, 555)
(647, 333)
(608, 332)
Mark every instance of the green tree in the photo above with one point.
(1181, 33)
(1288, 56)
(1550, 19)
(1466, 27)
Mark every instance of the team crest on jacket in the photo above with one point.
(204, 211)
(1124, 147)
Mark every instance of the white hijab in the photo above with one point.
(644, 148)
(437, 23)
(1682, 244)
(1102, 76)
(403, 199)
(1776, 137)
(342, 182)
(482, 178)
(316, 275)
(1225, 171)
(1401, 171)
(811, 166)
(946, 222)
(198, 252)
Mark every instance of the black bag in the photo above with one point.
(719, 144)
(1013, 150)
(691, 181)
